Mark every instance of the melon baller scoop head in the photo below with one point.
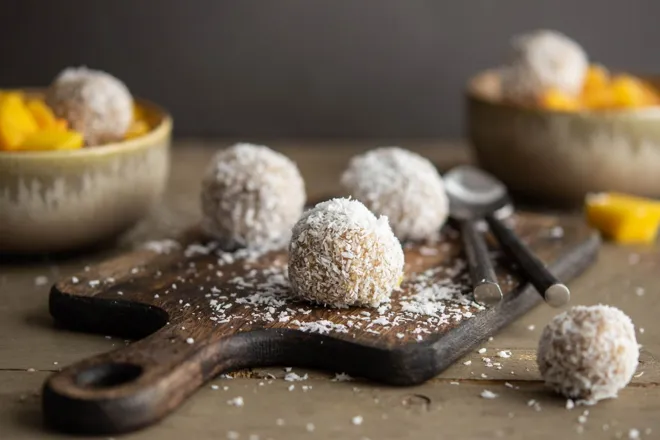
(475, 195)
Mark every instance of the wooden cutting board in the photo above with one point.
(201, 312)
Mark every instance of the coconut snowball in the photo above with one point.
(342, 255)
(588, 353)
(541, 60)
(251, 197)
(401, 185)
(94, 103)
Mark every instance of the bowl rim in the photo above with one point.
(647, 112)
(161, 130)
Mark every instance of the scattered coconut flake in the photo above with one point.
(232, 435)
(508, 385)
(556, 232)
(504, 354)
(534, 404)
(291, 377)
(164, 246)
(487, 394)
(639, 291)
(236, 401)
(190, 341)
(570, 404)
(94, 283)
(357, 420)
(531, 327)
(41, 280)
(468, 362)
(75, 280)
(215, 387)
(454, 383)
(481, 351)
(292, 387)
(279, 422)
(310, 427)
(342, 377)
(633, 434)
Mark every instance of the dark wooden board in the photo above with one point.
(201, 312)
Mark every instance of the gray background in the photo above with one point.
(379, 68)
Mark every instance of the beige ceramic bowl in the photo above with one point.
(561, 156)
(55, 201)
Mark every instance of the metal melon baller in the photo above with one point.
(475, 195)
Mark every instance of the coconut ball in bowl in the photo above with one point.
(94, 103)
(251, 197)
(401, 185)
(543, 60)
(342, 255)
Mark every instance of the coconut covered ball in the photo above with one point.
(342, 255)
(251, 197)
(543, 60)
(94, 103)
(588, 353)
(401, 185)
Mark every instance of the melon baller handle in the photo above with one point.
(555, 293)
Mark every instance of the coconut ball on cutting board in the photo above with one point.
(543, 60)
(588, 353)
(401, 185)
(342, 255)
(94, 103)
(251, 196)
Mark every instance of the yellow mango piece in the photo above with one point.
(597, 78)
(52, 139)
(554, 99)
(61, 125)
(138, 128)
(138, 112)
(16, 121)
(628, 92)
(41, 113)
(623, 218)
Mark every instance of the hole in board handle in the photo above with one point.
(108, 375)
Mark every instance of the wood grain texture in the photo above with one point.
(188, 339)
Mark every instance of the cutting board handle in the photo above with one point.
(137, 385)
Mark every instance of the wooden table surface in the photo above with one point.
(449, 406)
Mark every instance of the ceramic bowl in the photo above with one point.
(54, 201)
(561, 156)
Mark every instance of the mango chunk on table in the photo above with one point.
(624, 218)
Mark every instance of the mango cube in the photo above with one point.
(628, 92)
(557, 100)
(623, 218)
(16, 121)
(52, 139)
(138, 128)
(597, 77)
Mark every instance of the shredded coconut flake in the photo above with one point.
(236, 401)
(486, 394)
